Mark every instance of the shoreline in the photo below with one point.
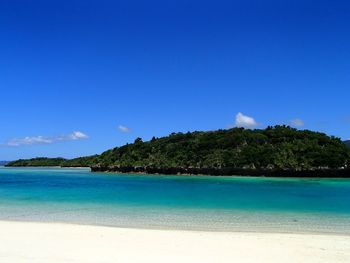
(63, 242)
(224, 172)
(242, 230)
(227, 171)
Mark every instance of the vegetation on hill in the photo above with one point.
(40, 161)
(81, 161)
(278, 147)
(347, 143)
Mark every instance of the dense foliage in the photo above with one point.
(275, 147)
(278, 147)
(81, 161)
(347, 143)
(41, 161)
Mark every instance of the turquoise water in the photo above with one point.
(181, 202)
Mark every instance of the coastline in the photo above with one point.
(58, 242)
(239, 172)
(228, 171)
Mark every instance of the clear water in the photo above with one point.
(180, 202)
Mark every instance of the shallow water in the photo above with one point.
(180, 202)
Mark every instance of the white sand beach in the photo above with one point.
(58, 243)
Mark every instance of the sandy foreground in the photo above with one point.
(53, 243)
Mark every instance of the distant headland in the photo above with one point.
(275, 151)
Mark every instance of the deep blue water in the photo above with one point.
(185, 202)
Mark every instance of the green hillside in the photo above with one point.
(42, 161)
(275, 147)
(278, 147)
(347, 143)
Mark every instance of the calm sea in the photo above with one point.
(176, 202)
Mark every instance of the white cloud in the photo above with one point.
(35, 140)
(123, 128)
(77, 135)
(296, 123)
(245, 121)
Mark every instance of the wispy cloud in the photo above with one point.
(77, 135)
(245, 121)
(123, 128)
(297, 123)
(35, 140)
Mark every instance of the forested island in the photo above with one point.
(274, 151)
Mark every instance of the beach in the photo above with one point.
(57, 243)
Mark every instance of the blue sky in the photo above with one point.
(79, 77)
